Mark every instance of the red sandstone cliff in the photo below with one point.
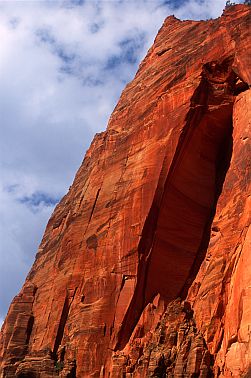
(144, 269)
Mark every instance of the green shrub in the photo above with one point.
(59, 365)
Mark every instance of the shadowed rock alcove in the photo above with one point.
(182, 223)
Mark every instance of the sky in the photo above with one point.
(63, 65)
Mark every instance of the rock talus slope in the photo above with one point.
(144, 269)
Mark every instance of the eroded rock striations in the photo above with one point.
(144, 269)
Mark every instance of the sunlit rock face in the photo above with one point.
(145, 267)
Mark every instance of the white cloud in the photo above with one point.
(62, 68)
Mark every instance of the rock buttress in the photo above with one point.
(143, 269)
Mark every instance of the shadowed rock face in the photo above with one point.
(191, 190)
(144, 269)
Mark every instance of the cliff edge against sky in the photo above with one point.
(144, 269)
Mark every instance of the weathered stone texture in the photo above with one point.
(144, 269)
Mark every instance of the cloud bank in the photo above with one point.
(63, 66)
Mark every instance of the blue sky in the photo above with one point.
(63, 66)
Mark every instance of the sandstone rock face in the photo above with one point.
(144, 269)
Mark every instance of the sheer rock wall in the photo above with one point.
(144, 267)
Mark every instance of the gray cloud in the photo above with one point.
(62, 68)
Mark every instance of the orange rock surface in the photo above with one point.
(145, 268)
